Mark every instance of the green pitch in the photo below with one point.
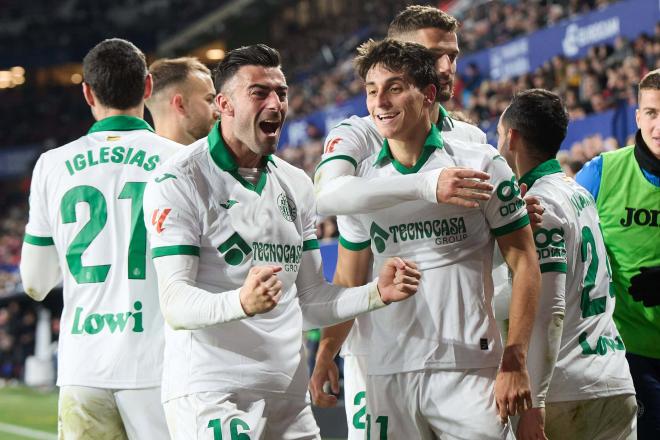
(23, 407)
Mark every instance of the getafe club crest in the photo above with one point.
(287, 207)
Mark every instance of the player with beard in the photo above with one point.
(182, 103)
(239, 269)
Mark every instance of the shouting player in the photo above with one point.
(238, 261)
(86, 218)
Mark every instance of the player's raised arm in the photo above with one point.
(340, 192)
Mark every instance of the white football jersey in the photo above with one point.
(449, 323)
(86, 199)
(201, 205)
(591, 361)
(354, 140)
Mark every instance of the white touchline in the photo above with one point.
(27, 432)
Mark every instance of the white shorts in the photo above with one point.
(434, 404)
(214, 415)
(605, 418)
(355, 395)
(100, 414)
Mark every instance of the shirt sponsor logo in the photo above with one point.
(640, 217)
(95, 323)
(442, 231)
(157, 219)
(509, 192)
(603, 345)
(287, 207)
(550, 243)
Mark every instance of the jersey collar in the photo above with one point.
(442, 117)
(433, 141)
(225, 161)
(120, 123)
(543, 169)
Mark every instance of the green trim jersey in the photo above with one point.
(202, 206)
(449, 323)
(632, 236)
(354, 140)
(86, 199)
(591, 362)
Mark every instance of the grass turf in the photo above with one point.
(28, 408)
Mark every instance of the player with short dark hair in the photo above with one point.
(581, 385)
(86, 228)
(240, 271)
(439, 352)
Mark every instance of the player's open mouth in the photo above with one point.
(269, 127)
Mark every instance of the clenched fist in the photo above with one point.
(261, 290)
(398, 280)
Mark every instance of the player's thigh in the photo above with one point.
(290, 419)
(392, 408)
(460, 404)
(606, 418)
(85, 413)
(646, 377)
(355, 395)
(213, 415)
(142, 413)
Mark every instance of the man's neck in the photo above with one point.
(408, 150)
(245, 158)
(435, 112)
(169, 129)
(101, 112)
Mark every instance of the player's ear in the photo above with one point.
(87, 93)
(429, 94)
(223, 102)
(178, 104)
(148, 86)
(514, 138)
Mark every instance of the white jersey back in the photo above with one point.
(204, 207)
(449, 323)
(86, 199)
(591, 361)
(355, 139)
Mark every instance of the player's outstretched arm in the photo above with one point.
(324, 304)
(186, 307)
(340, 193)
(40, 270)
(512, 388)
(352, 270)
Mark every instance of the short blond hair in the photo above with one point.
(169, 71)
(651, 81)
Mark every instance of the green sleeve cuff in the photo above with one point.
(310, 245)
(554, 267)
(339, 156)
(38, 241)
(506, 229)
(354, 246)
(164, 251)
